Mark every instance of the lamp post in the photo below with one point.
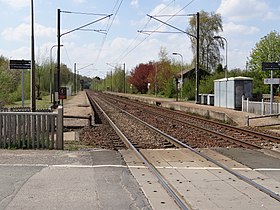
(175, 53)
(220, 37)
(51, 70)
(32, 75)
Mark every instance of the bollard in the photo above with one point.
(59, 129)
(247, 120)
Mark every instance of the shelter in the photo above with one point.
(228, 91)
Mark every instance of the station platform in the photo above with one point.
(219, 113)
(202, 184)
(79, 106)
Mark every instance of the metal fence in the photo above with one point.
(259, 107)
(31, 130)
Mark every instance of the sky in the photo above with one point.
(115, 40)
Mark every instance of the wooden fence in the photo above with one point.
(31, 130)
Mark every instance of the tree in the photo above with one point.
(210, 24)
(165, 73)
(8, 81)
(266, 50)
(118, 80)
(139, 77)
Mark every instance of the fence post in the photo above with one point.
(247, 104)
(242, 103)
(262, 104)
(59, 129)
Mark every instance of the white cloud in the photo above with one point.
(22, 31)
(238, 29)
(43, 31)
(163, 9)
(17, 3)
(272, 15)
(239, 10)
(135, 3)
(18, 33)
(79, 1)
(19, 53)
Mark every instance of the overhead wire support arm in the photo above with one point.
(83, 26)
(186, 15)
(163, 32)
(171, 26)
(83, 13)
(95, 30)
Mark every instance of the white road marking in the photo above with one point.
(63, 166)
(135, 166)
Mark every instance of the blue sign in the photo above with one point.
(270, 66)
(20, 64)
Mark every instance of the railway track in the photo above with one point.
(135, 142)
(218, 134)
(143, 135)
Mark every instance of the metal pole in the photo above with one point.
(124, 78)
(51, 74)
(22, 86)
(78, 83)
(197, 60)
(58, 53)
(182, 77)
(75, 76)
(181, 83)
(226, 57)
(271, 93)
(32, 95)
(111, 81)
(156, 81)
(55, 84)
(176, 87)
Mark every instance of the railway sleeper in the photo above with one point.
(136, 145)
(168, 144)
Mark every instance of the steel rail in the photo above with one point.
(240, 176)
(232, 128)
(163, 182)
(226, 137)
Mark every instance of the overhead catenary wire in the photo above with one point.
(67, 55)
(127, 51)
(178, 29)
(85, 25)
(94, 30)
(116, 7)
